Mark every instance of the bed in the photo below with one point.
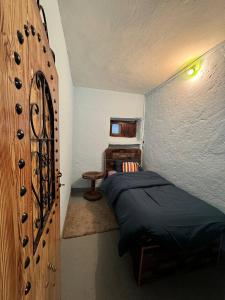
(159, 219)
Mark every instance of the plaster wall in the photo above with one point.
(58, 44)
(92, 112)
(185, 130)
(135, 45)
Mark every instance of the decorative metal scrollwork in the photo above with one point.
(44, 22)
(42, 153)
(43, 17)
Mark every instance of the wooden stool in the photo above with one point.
(93, 195)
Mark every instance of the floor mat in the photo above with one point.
(85, 218)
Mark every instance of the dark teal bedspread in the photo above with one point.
(144, 202)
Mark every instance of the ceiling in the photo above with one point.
(135, 45)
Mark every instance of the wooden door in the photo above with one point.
(29, 153)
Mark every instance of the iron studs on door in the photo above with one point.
(17, 58)
(23, 191)
(27, 288)
(20, 134)
(25, 241)
(39, 37)
(21, 163)
(19, 109)
(27, 262)
(24, 217)
(27, 30)
(33, 30)
(18, 83)
(38, 259)
(20, 37)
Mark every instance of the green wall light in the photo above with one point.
(193, 69)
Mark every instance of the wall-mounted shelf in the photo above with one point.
(115, 146)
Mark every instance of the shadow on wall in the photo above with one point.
(81, 183)
(84, 183)
(114, 278)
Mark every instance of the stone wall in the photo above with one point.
(185, 130)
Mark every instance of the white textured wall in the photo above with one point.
(185, 130)
(134, 45)
(92, 111)
(57, 42)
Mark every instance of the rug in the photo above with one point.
(85, 218)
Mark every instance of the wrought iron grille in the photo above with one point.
(42, 153)
(43, 17)
(44, 22)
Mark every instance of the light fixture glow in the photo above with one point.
(190, 71)
(193, 69)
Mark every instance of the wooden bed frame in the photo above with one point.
(124, 154)
(150, 261)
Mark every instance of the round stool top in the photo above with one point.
(93, 175)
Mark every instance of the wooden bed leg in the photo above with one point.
(140, 268)
(220, 248)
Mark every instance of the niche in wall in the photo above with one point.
(123, 128)
(126, 131)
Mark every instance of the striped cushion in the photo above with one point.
(130, 166)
